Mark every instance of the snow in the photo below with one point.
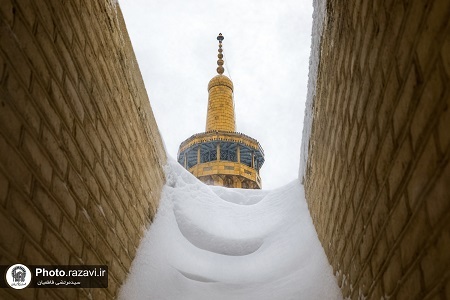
(216, 243)
(317, 29)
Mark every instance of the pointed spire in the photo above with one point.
(220, 68)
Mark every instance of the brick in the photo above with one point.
(77, 186)
(392, 275)
(124, 257)
(117, 141)
(22, 105)
(14, 57)
(409, 35)
(99, 294)
(74, 100)
(108, 212)
(387, 105)
(87, 101)
(116, 202)
(88, 230)
(444, 57)
(41, 100)
(397, 220)
(2, 67)
(45, 42)
(72, 236)
(47, 206)
(93, 137)
(372, 147)
(85, 146)
(7, 11)
(25, 214)
(107, 256)
(447, 290)
(35, 155)
(92, 184)
(385, 159)
(57, 98)
(443, 133)
(64, 197)
(10, 123)
(433, 91)
(66, 55)
(414, 238)
(436, 260)
(400, 168)
(3, 189)
(33, 255)
(71, 150)
(93, 38)
(109, 169)
(437, 203)
(73, 18)
(411, 285)
(11, 238)
(352, 143)
(98, 218)
(104, 136)
(366, 280)
(14, 166)
(378, 256)
(436, 20)
(46, 18)
(54, 148)
(40, 69)
(83, 68)
(402, 110)
(423, 171)
(128, 224)
(113, 240)
(367, 41)
(90, 257)
(388, 48)
(103, 180)
(25, 9)
(55, 247)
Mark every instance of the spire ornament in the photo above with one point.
(220, 68)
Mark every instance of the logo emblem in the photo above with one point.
(18, 276)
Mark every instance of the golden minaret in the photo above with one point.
(220, 155)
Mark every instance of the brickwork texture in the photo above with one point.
(81, 154)
(378, 173)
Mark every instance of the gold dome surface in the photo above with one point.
(220, 80)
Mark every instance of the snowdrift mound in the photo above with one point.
(213, 243)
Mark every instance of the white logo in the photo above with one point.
(18, 276)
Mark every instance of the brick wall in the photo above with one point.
(378, 173)
(80, 152)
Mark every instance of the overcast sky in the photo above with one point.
(266, 53)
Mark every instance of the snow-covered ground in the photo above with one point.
(216, 243)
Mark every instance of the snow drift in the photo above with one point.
(215, 243)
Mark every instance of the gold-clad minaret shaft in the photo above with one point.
(220, 116)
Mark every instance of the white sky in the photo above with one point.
(266, 53)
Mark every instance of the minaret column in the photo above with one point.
(220, 115)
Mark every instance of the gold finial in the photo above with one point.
(220, 68)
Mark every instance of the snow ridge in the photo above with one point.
(215, 243)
